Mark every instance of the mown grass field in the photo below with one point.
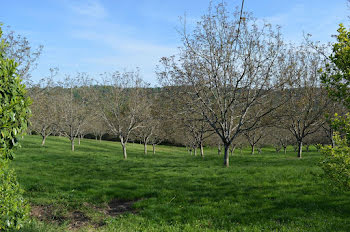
(174, 191)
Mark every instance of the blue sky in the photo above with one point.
(96, 36)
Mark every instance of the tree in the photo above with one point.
(254, 137)
(44, 107)
(123, 100)
(281, 138)
(305, 113)
(74, 102)
(336, 74)
(14, 114)
(19, 49)
(97, 126)
(336, 78)
(229, 66)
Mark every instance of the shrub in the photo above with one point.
(14, 113)
(336, 163)
(13, 209)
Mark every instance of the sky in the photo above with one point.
(97, 36)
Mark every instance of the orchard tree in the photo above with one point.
(74, 106)
(305, 113)
(229, 66)
(21, 51)
(97, 127)
(122, 100)
(281, 138)
(44, 107)
(254, 137)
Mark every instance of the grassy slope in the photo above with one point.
(180, 192)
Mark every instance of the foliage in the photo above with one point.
(336, 163)
(341, 124)
(13, 209)
(14, 113)
(336, 76)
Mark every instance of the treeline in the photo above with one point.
(125, 109)
(234, 83)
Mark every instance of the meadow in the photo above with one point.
(94, 189)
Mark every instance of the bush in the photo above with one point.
(336, 164)
(14, 113)
(13, 209)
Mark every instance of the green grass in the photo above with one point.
(179, 192)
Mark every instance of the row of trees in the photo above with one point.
(234, 80)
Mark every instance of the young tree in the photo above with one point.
(228, 67)
(254, 137)
(305, 113)
(74, 111)
(44, 107)
(282, 138)
(97, 127)
(122, 104)
(158, 136)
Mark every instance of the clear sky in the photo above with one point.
(96, 36)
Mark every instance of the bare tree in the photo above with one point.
(19, 49)
(44, 107)
(231, 70)
(304, 114)
(97, 127)
(254, 137)
(281, 138)
(123, 100)
(74, 110)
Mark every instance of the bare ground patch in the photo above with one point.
(118, 206)
(78, 219)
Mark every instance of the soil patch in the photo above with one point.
(49, 214)
(78, 219)
(117, 206)
(46, 213)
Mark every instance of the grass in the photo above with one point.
(176, 191)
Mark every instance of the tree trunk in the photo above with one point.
(285, 150)
(295, 148)
(154, 149)
(195, 151)
(96, 137)
(124, 151)
(202, 150)
(101, 138)
(232, 150)
(145, 148)
(219, 149)
(226, 155)
(43, 141)
(300, 148)
(79, 140)
(253, 148)
(72, 143)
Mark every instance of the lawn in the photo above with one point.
(94, 189)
